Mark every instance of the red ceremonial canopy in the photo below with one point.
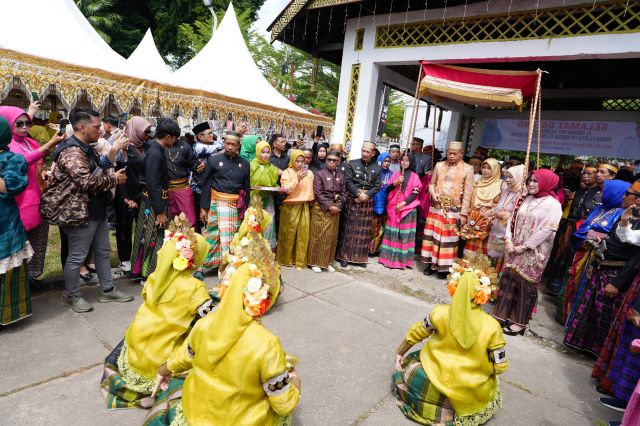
(490, 88)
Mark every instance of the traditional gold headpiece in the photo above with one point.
(455, 145)
(611, 167)
(590, 169)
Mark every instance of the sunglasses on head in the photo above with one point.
(630, 193)
(23, 123)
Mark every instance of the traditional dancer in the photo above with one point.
(363, 183)
(330, 190)
(398, 242)
(450, 189)
(226, 189)
(431, 388)
(240, 376)
(173, 299)
(529, 238)
(15, 250)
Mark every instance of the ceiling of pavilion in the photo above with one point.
(320, 31)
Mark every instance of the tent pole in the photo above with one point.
(533, 109)
(414, 113)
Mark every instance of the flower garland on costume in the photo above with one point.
(487, 288)
(253, 220)
(186, 244)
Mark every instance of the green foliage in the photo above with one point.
(99, 14)
(395, 114)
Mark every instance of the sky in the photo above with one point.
(267, 13)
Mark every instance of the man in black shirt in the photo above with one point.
(181, 162)
(154, 207)
(278, 157)
(225, 195)
(363, 179)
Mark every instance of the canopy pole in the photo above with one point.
(533, 109)
(414, 113)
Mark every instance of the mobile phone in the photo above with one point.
(34, 96)
(636, 212)
(122, 121)
(305, 167)
(63, 126)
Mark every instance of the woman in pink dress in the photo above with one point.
(29, 200)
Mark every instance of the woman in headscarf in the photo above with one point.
(380, 204)
(129, 195)
(319, 157)
(502, 212)
(454, 377)
(15, 250)
(293, 232)
(598, 224)
(485, 196)
(398, 242)
(173, 298)
(237, 369)
(248, 147)
(29, 200)
(609, 269)
(265, 174)
(528, 242)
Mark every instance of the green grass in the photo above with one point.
(52, 265)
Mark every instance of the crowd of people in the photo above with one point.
(242, 207)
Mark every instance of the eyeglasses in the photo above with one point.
(207, 133)
(21, 124)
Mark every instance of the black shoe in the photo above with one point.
(510, 332)
(364, 265)
(614, 404)
(602, 390)
(442, 275)
(344, 263)
(428, 271)
(614, 423)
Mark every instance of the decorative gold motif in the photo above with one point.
(586, 19)
(74, 84)
(285, 17)
(359, 39)
(318, 4)
(351, 106)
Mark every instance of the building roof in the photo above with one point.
(147, 62)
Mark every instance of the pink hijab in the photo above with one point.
(547, 183)
(135, 129)
(11, 114)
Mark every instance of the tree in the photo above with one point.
(98, 13)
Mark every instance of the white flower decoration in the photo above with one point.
(485, 281)
(455, 276)
(254, 284)
(244, 241)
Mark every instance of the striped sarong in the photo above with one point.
(39, 240)
(567, 294)
(323, 237)
(355, 231)
(269, 234)
(593, 312)
(222, 224)
(398, 243)
(625, 367)
(612, 342)
(168, 407)
(293, 235)
(418, 399)
(516, 300)
(15, 295)
(475, 246)
(439, 243)
(114, 385)
(146, 242)
(181, 200)
(377, 231)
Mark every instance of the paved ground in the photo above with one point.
(344, 327)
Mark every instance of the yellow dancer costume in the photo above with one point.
(238, 371)
(453, 379)
(172, 299)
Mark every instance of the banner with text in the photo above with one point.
(612, 139)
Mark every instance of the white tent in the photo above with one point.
(225, 66)
(73, 39)
(146, 61)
